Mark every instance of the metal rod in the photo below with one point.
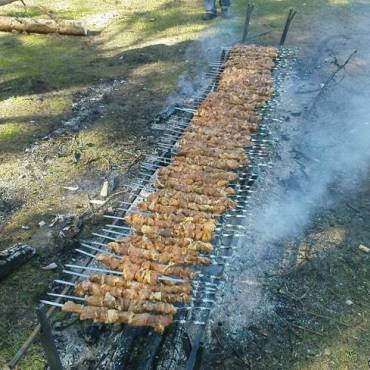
(248, 15)
(93, 269)
(115, 232)
(97, 249)
(67, 296)
(85, 253)
(289, 20)
(119, 227)
(75, 274)
(98, 243)
(47, 339)
(114, 217)
(167, 278)
(64, 282)
(104, 236)
(51, 303)
(185, 110)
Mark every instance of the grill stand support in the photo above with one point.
(247, 21)
(47, 340)
(289, 20)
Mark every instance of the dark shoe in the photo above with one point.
(225, 13)
(208, 16)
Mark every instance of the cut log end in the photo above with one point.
(30, 25)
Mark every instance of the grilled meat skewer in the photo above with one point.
(118, 281)
(161, 257)
(126, 304)
(145, 294)
(139, 263)
(158, 243)
(109, 316)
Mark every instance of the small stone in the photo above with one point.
(42, 223)
(71, 188)
(349, 302)
(104, 189)
(50, 266)
(364, 248)
(97, 202)
(24, 227)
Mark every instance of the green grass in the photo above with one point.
(10, 131)
(17, 312)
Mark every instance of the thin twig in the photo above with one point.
(307, 329)
(331, 78)
(324, 317)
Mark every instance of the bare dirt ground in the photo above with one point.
(297, 290)
(82, 117)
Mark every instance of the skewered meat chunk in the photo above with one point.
(185, 230)
(201, 230)
(198, 172)
(158, 220)
(125, 304)
(198, 188)
(253, 50)
(218, 130)
(159, 208)
(233, 112)
(236, 153)
(243, 127)
(118, 281)
(199, 160)
(109, 316)
(89, 288)
(194, 179)
(161, 257)
(240, 142)
(259, 64)
(172, 195)
(152, 219)
(168, 207)
(138, 263)
(159, 243)
(247, 106)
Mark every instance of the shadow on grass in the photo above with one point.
(130, 64)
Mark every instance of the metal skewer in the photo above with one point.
(210, 286)
(188, 308)
(163, 278)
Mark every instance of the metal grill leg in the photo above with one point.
(289, 20)
(47, 340)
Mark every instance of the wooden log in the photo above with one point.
(4, 2)
(10, 24)
(12, 258)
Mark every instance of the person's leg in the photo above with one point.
(211, 11)
(225, 8)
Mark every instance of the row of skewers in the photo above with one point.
(152, 271)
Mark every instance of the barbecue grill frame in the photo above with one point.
(194, 355)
